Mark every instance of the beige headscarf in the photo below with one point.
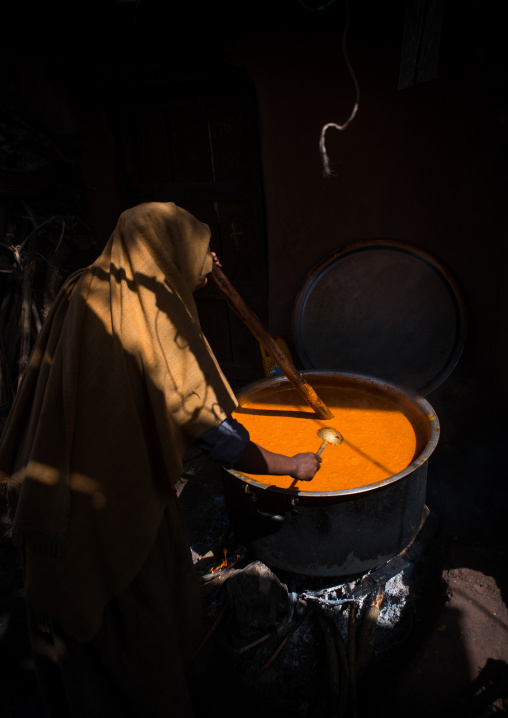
(120, 384)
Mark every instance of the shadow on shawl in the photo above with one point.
(120, 384)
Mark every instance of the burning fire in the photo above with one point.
(226, 563)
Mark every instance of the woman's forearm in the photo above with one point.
(257, 460)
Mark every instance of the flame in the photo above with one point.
(227, 563)
(224, 562)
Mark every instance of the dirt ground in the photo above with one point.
(452, 660)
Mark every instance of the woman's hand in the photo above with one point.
(216, 259)
(203, 279)
(306, 466)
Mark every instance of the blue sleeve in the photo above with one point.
(224, 443)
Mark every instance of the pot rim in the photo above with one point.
(417, 400)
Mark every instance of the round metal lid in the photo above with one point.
(381, 308)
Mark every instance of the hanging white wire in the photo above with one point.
(327, 171)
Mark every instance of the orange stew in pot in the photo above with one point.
(379, 437)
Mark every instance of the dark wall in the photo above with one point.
(426, 164)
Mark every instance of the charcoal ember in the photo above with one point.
(258, 601)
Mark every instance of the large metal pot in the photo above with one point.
(335, 533)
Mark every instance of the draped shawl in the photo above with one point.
(120, 384)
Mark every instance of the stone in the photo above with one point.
(258, 601)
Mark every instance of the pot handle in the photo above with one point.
(277, 518)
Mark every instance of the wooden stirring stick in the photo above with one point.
(252, 322)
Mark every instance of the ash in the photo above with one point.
(396, 597)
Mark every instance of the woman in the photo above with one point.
(120, 384)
